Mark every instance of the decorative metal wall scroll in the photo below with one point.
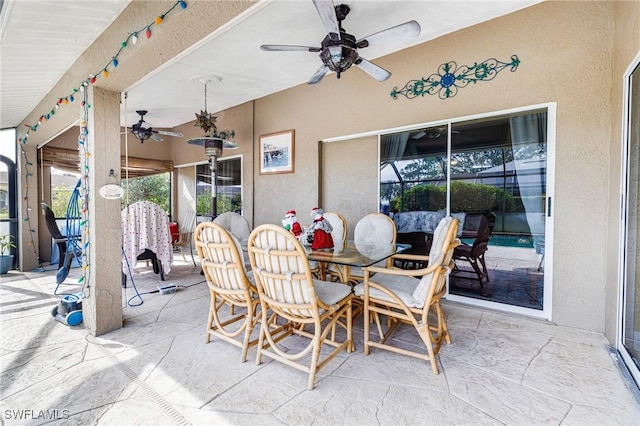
(449, 78)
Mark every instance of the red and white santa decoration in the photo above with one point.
(321, 230)
(290, 222)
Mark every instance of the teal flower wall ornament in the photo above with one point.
(449, 78)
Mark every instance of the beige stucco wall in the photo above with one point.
(341, 175)
(566, 49)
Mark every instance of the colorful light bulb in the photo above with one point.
(147, 33)
(134, 38)
(183, 5)
(159, 19)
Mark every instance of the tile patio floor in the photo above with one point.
(157, 370)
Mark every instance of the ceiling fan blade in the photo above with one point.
(168, 133)
(373, 70)
(288, 48)
(399, 32)
(327, 12)
(156, 138)
(321, 72)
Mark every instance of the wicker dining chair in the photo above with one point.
(373, 227)
(185, 236)
(229, 287)
(401, 297)
(292, 302)
(235, 223)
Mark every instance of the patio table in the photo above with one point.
(353, 254)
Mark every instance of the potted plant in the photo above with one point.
(6, 258)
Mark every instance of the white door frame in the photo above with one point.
(622, 350)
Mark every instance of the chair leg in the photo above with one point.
(425, 335)
(484, 266)
(476, 268)
(191, 252)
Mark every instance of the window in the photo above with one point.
(8, 186)
(154, 188)
(62, 184)
(229, 187)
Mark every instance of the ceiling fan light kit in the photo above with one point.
(143, 130)
(339, 49)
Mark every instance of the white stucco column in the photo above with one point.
(102, 309)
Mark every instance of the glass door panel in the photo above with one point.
(498, 180)
(631, 286)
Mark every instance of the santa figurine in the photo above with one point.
(321, 230)
(290, 223)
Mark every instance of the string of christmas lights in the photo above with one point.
(132, 39)
(27, 219)
(84, 197)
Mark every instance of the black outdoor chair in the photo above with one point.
(58, 238)
(474, 253)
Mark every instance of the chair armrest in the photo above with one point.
(402, 272)
(409, 256)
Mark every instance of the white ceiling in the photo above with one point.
(39, 40)
(232, 53)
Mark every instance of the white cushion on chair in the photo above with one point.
(331, 293)
(400, 286)
(235, 223)
(436, 256)
(374, 228)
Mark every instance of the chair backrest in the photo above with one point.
(339, 225)
(375, 227)
(282, 274)
(72, 223)
(52, 225)
(235, 223)
(441, 253)
(483, 235)
(222, 262)
(188, 224)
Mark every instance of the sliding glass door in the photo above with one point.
(490, 173)
(629, 344)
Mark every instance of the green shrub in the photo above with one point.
(465, 197)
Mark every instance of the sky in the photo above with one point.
(7, 143)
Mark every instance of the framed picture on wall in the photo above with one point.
(277, 152)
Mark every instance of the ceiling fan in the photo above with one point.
(339, 49)
(143, 130)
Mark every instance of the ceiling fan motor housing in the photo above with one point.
(339, 55)
(141, 132)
